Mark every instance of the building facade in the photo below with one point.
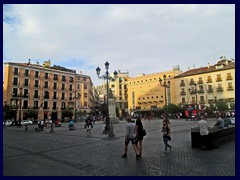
(47, 89)
(204, 86)
(146, 93)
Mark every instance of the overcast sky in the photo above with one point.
(134, 38)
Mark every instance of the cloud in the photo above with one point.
(138, 38)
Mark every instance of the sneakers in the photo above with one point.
(124, 156)
(138, 156)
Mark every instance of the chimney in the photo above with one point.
(208, 65)
(227, 62)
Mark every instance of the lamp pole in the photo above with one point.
(20, 106)
(166, 84)
(75, 106)
(106, 77)
(196, 104)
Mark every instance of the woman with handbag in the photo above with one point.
(139, 134)
(166, 135)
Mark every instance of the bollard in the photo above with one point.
(111, 134)
(26, 127)
(52, 129)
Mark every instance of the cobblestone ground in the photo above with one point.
(74, 153)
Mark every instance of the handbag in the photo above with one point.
(169, 138)
(144, 132)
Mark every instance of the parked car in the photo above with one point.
(28, 122)
(58, 123)
(8, 122)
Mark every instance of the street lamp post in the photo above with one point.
(195, 92)
(166, 84)
(107, 77)
(75, 106)
(19, 97)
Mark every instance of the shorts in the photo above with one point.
(134, 141)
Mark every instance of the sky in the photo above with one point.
(134, 38)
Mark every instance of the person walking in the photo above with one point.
(166, 130)
(130, 136)
(139, 134)
(202, 124)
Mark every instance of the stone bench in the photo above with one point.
(39, 129)
(214, 139)
(72, 128)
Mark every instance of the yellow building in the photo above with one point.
(204, 86)
(146, 93)
(47, 89)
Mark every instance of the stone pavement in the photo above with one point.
(74, 153)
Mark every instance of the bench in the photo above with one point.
(214, 139)
(39, 129)
(71, 127)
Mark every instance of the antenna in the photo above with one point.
(214, 55)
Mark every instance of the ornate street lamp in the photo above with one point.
(19, 97)
(166, 84)
(195, 91)
(107, 77)
(75, 106)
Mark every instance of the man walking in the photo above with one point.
(130, 136)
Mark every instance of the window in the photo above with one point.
(46, 94)
(15, 81)
(36, 74)
(63, 96)
(26, 72)
(25, 82)
(54, 95)
(84, 78)
(55, 105)
(63, 86)
(14, 92)
(85, 86)
(36, 83)
(85, 104)
(55, 85)
(85, 95)
(70, 87)
(46, 75)
(183, 100)
(35, 105)
(35, 93)
(25, 104)
(219, 78)
(15, 71)
(63, 105)
(46, 84)
(25, 93)
(209, 79)
(71, 79)
(55, 77)
(45, 105)
(229, 76)
(78, 86)
(63, 78)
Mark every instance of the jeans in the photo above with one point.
(165, 140)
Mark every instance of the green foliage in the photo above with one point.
(9, 111)
(67, 113)
(173, 108)
(221, 105)
(31, 113)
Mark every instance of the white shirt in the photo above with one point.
(202, 124)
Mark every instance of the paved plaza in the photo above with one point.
(74, 153)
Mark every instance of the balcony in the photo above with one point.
(230, 88)
(218, 79)
(200, 82)
(192, 102)
(46, 87)
(46, 97)
(54, 87)
(210, 90)
(45, 107)
(15, 84)
(201, 91)
(192, 83)
(182, 93)
(36, 85)
(219, 89)
(63, 79)
(202, 102)
(54, 97)
(229, 78)
(182, 84)
(36, 96)
(209, 81)
(192, 92)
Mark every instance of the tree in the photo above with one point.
(221, 105)
(173, 108)
(9, 111)
(32, 113)
(67, 113)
